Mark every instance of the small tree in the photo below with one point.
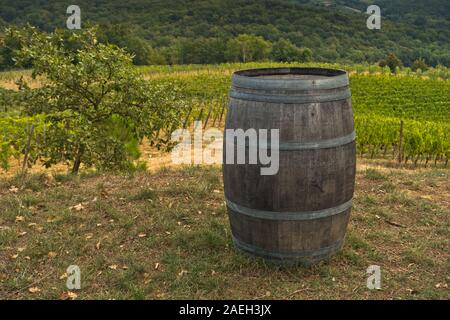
(96, 104)
(247, 48)
(124, 36)
(392, 62)
(285, 51)
(419, 64)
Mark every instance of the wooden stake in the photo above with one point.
(400, 147)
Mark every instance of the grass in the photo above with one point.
(165, 235)
(373, 174)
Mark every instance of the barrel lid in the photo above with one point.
(290, 79)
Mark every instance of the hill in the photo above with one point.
(331, 29)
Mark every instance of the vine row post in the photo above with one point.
(400, 142)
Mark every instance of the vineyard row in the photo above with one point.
(377, 136)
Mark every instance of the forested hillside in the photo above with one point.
(199, 31)
(403, 9)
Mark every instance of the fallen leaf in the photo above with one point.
(113, 266)
(21, 249)
(69, 295)
(97, 246)
(142, 235)
(78, 207)
(34, 290)
(21, 234)
(13, 189)
(182, 273)
(52, 254)
(72, 295)
(20, 219)
(14, 256)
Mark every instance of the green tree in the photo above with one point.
(419, 64)
(392, 62)
(247, 47)
(8, 45)
(195, 51)
(285, 51)
(96, 104)
(123, 35)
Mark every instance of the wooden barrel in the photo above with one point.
(300, 214)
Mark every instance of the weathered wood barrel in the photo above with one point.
(300, 214)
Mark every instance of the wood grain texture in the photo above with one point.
(307, 180)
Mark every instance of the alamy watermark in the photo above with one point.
(242, 147)
(374, 279)
(74, 20)
(73, 277)
(374, 20)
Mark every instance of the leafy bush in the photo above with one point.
(96, 105)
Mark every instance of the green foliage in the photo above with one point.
(8, 46)
(285, 51)
(123, 35)
(410, 29)
(15, 131)
(419, 64)
(392, 62)
(380, 101)
(197, 51)
(420, 139)
(401, 96)
(8, 100)
(247, 48)
(96, 105)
